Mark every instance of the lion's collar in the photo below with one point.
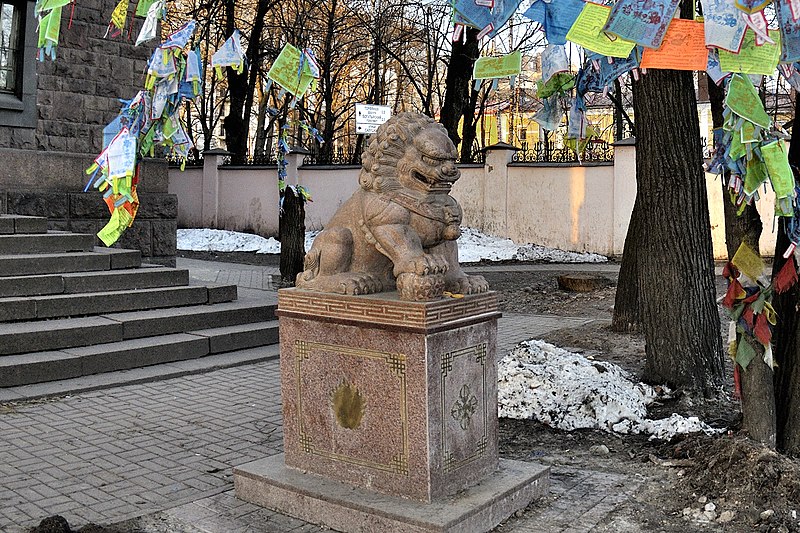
(424, 206)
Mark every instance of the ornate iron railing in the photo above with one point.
(477, 156)
(597, 151)
(195, 159)
(262, 160)
(338, 156)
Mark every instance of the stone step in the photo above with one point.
(74, 305)
(240, 336)
(82, 282)
(37, 367)
(97, 259)
(46, 243)
(58, 334)
(10, 224)
(162, 321)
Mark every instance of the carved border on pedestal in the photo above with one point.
(479, 352)
(397, 365)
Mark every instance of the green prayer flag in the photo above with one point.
(753, 58)
(756, 174)
(743, 99)
(498, 67)
(776, 159)
(285, 69)
(142, 7)
(558, 82)
(47, 5)
(745, 352)
(49, 27)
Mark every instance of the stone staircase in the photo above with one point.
(70, 309)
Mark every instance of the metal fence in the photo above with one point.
(262, 160)
(338, 156)
(195, 159)
(597, 151)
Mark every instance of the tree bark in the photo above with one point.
(458, 91)
(758, 398)
(626, 317)
(292, 232)
(786, 339)
(675, 266)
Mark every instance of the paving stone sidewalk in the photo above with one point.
(164, 451)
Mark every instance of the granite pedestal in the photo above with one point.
(390, 411)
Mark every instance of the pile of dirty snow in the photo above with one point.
(473, 246)
(534, 252)
(219, 240)
(567, 391)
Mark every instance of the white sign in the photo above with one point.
(369, 117)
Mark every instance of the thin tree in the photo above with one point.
(786, 339)
(758, 399)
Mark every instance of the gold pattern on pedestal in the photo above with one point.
(396, 364)
(348, 405)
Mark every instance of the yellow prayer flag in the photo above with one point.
(120, 14)
(587, 31)
(748, 262)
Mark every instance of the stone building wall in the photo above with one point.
(77, 95)
(51, 185)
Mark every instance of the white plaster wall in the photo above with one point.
(329, 188)
(468, 190)
(624, 194)
(188, 187)
(562, 207)
(248, 200)
(578, 208)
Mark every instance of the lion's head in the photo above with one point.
(409, 151)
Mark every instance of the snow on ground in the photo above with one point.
(567, 391)
(219, 240)
(473, 246)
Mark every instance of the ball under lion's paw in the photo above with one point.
(413, 287)
(468, 285)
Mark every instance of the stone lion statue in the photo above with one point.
(399, 229)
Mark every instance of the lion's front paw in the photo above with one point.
(467, 285)
(423, 265)
(413, 287)
(361, 283)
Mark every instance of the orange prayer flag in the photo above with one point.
(683, 48)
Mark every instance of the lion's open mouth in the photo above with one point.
(433, 182)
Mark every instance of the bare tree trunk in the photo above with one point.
(786, 339)
(458, 92)
(261, 123)
(626, 303)
(758, 398)
(292, 232)
(675, 266)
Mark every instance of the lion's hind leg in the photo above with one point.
(328, 261)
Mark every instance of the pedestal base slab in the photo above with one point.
(269, 483)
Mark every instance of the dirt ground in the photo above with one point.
(695, 483)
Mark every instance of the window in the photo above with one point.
(17, 64)
(10, 47)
